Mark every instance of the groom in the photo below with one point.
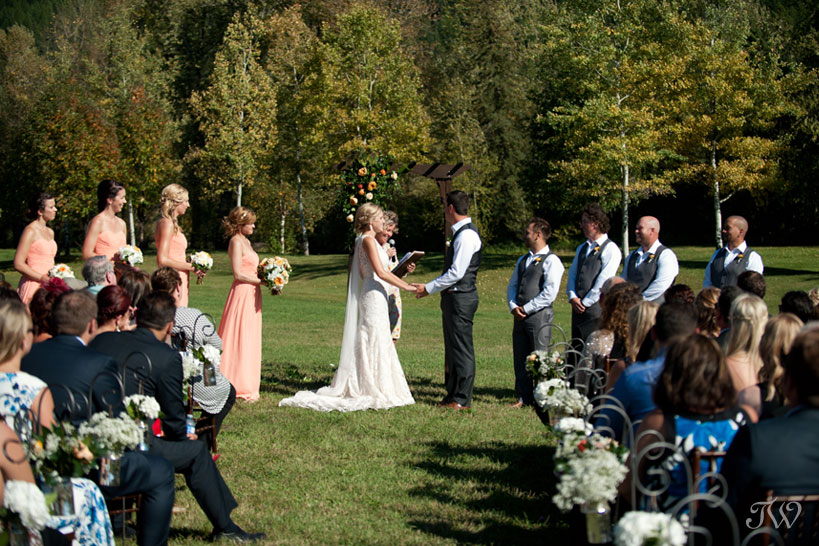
(459, 301)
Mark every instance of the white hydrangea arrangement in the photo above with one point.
(546, 365)
(573, 425)
(130, 255)
(28, 502)
(191, 367)
(115, 434)
(554, 396)
(648, 529)
(60, 451)
(275, 273)
(61, 271)
(144, 408)
(591, 469)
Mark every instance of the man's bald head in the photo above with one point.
(647, 231)
(734, 230)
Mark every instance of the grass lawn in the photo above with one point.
(411, 475)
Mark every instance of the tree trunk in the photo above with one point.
(717, 205)
(283, 214)
(131, 223)
(304, 240)
(239, 195)
(625, 203)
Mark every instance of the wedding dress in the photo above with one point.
(369, 375)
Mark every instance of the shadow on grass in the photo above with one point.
(499, 494)
(185, 533)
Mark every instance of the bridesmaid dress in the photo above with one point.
(108, 243)
(179, 246)
(241, 333)
(40, 258)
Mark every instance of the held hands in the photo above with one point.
(577, 305)
(410, 268)
(420, 290)
(519, 313)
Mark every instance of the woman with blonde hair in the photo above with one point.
(171, 244)
(241, 324)
(639, 345)
(106, 232)
(369, 374)
(706, 304)
(37, 248)
(748, 317)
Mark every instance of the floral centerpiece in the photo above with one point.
(201, 261)
(275, 273)
(143, 410)
(25, 501)
(61, 271)
(60, 452)
(590, 468)
(367, 179)
(648, 529)
(130, 255)
(546, 365)
(114, 435)
(553, 395)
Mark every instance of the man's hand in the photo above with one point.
(519, 313)
(420, 290)
(192, 436)
(577, 305)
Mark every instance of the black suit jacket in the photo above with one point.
(165, 380)
(65, 361)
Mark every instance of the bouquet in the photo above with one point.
(554, 396)
(61, 271)
(141, 408)
(130, 255)
(275, 273)
(26, 501)
(590, 468)
(201, 261)
(60, 451)
(546, 365)
(114, 434)
(644, 529)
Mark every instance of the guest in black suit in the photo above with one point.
(190, 458)
(781, 453)
(66, 364)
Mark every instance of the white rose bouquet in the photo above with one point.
(26, 501)
(648, 529)
(141, 407)
(115, 434)
(275, 273)
(130, 255)
(208, 358)
(201, 261)
(61, 271)
(591, 469)
(554, 396)
(546, 365)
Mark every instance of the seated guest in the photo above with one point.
(65, 362)
(726, 298)
(780, 454)
(610, 339)
(155, 316)
(681, 293)
(136, 283)
(696, 409)
(748, 317)
(40, 308)
(768, 396)
(98, 273)
(639, 344)
(215, 400)
(114, 311)
(799, 303)
(813, 294)
(752, 282)
(635, 386)
(707, 313)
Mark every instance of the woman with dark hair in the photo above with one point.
(137, 284)
(106, 232)
(40, 307)
(35, 252)
(114, 311)
(696, 408)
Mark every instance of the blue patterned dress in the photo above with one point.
(91, 523)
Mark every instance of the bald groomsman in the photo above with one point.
(652, 266)
(734, 258)
(532, 290)
(595, 261)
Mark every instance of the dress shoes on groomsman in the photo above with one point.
(453, 405)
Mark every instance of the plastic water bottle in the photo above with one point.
(190, 424)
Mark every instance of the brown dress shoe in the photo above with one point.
(455, 406)
(518, 404)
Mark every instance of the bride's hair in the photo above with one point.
(238, 217)
(172, 195)
(365, 215)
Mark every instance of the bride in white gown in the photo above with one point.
(369, 375)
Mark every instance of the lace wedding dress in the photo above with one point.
(369, 375)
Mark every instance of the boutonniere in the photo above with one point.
(740, 256)
(651, 258)
(448, 242)
(537, 259)
(596, 249)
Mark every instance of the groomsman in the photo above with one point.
(652, 266)
(532, 290)
(596, 260)
(734, 258)
(459, 301)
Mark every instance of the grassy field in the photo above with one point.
(412, 475)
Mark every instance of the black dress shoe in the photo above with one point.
(238, 536)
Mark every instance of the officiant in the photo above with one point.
(459, 301)
(384, 238)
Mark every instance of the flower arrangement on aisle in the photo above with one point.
(546, 365)
(114, 434)
(25, 502)
(141, 408)
(61, 271)
(275, 273)
(60, 452)
(191, 372)
(648, 529)
(368, 178)
(207, 359)
(130, 255)
(556, 397)
(201, 261)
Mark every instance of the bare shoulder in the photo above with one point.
(164, 227)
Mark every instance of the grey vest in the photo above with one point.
(588, 268)
(722, 276)
(467, 282)
(646, 272)
(530, 280)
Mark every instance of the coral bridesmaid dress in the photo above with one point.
(179, 246)
(241, 333)
(40, 258)
(108, 243)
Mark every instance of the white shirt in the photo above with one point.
(463, 247)
(611, 261)
(667, 270)
(552, 273)
(754, 262)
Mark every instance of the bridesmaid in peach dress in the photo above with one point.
(37, 247)
(171, 244)
(241, 324)
(106, 232)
